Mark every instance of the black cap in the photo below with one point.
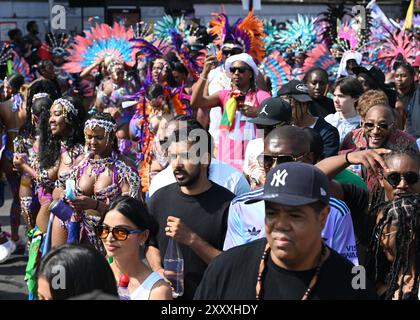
(374, 72)
(295, 184)
(296, 89)
(273, 111)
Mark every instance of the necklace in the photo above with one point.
(312, 283)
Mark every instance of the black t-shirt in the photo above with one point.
(357, 200)
(233, 276)
(322, 107)
(205, 214)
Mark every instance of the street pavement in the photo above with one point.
(12, 285)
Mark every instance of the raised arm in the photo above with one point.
(370, 159)
(199, 99)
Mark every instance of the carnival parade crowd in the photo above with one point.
(277, 156)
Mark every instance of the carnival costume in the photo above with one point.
(121, 173)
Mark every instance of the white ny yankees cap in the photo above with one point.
(295, 184)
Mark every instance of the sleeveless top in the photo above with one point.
(143, 291)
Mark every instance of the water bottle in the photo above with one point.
(123, 287)
(173, 263)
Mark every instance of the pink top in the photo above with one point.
(232, 144)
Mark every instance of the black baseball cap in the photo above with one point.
(295, 184)
(273, 111)
(374, 72)
(296, 89)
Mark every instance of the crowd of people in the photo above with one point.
(277, 157)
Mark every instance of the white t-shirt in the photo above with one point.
(344, 126)
(221, 173)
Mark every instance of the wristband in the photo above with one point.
(201, 77)
(347, 157)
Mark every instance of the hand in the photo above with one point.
(209, 64)
(177, 230)
(19, 161)
(370, 159)
(249, 111)
(82, 203)
(114, 112)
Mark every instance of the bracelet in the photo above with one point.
(347, 157)
(97, 205)
(201, 77)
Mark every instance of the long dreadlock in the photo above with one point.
(405, 213)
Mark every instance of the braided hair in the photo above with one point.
(50, 145)
(405, 213)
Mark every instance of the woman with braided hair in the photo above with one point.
(60, 147)
(396, 248)
(98, 179)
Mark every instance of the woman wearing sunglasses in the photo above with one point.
(124, 230)
(395, 248)
(239, 104)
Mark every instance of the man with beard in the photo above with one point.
(193, 211)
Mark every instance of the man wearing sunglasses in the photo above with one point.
(218, 80)
(398, 174)
(193, 211)
(272, 113)
(246, 221)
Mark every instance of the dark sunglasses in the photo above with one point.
(240, 69)
(268, 160)
(119, 233)
(394, 178)
(381, 126)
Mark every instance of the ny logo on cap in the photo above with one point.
(279, 178)
(263, 110)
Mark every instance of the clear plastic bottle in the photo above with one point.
(173, 263)
(123, 287)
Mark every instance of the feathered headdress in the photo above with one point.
(321, 57)
(279, 71)
(271, 40)
(194, 64)
(101, 41)
(301, 33)
(248, 33)
(168, 24)
(397, 43)
(14, 63)
(58, 44)
(5, 53)
(347, 35)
